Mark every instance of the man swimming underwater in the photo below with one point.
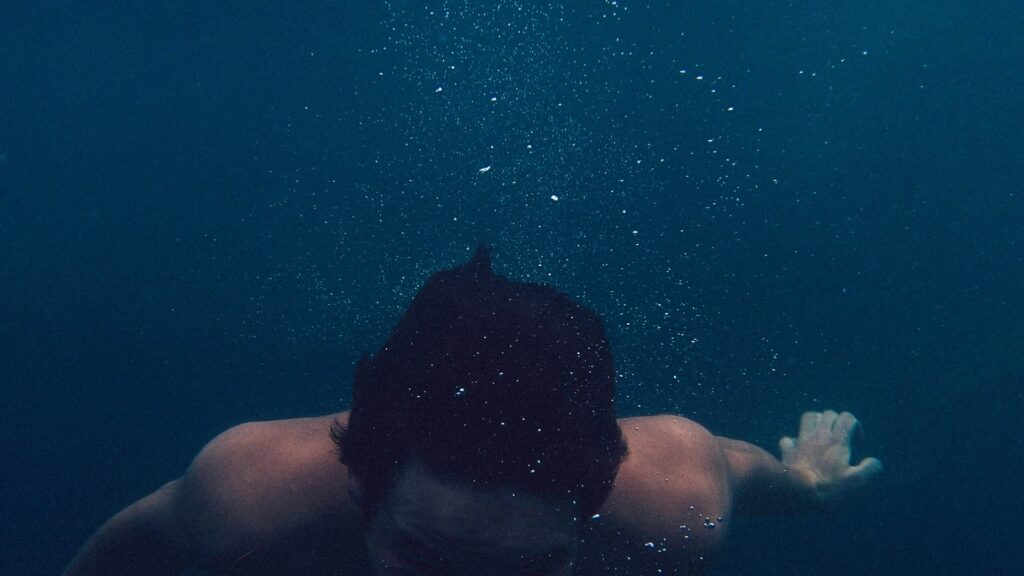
(482, 441)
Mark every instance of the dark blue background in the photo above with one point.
(207, 212)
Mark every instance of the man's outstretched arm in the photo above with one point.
(813, 471)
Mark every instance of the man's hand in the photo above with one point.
(821, 455)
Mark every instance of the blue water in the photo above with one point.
(209, 210)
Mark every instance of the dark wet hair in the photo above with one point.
(491, 382)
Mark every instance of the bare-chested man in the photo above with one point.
(482, 441)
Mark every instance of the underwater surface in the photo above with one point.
(208, 211)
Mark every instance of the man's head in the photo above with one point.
(486, 388)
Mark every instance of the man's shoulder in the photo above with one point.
(670, 443)
(671, 489)
(667, 423)
(263, 481)
(250, 455)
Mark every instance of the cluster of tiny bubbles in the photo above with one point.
(613, 163)
(513, 127)
(705, 519)
(661, 546)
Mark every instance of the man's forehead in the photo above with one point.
(450, 513)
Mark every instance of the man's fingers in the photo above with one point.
(786, 445)
(828, 420)
(866, 470)
(808, 422)
(844, 426)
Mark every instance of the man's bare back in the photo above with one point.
(271, 498)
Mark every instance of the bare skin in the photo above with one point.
(270, 498)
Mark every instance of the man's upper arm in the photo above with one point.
(147, 537)
(743, 460)
(182, 524)
(759, 481)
